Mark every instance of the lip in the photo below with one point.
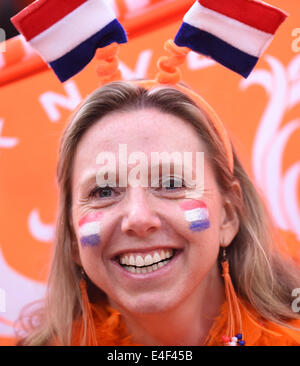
(148, 276)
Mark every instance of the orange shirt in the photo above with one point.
(256, 332)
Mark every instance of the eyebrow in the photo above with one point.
(89, 178)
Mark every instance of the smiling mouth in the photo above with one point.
(149, 263)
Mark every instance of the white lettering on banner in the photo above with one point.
(281, 190)
(290, 193)
(2, 301)
(134, 4)
(7, 142)
(141, 68)
(51, 101)
(197, 62)
(296, 42)
(2, 40)
(20, 291)
(40, 231)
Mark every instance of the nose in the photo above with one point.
(140, 218)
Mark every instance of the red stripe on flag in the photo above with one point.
(191, 205)
(254, 13)
(91, 217)
(42, 14)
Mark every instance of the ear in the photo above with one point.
(230, 222)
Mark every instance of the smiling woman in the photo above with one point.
(129, 260)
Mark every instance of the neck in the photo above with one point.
(187, 324)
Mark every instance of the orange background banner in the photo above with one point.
(262, 114)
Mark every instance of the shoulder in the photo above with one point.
(259, 331)
(274, 334)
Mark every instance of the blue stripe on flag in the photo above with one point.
(74, 61)
(90, 240)
(199, 225)
(210, 45)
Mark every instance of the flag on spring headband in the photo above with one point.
(234, 33)
(67, 33)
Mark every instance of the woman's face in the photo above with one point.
(141, 225)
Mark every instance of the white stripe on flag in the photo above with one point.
(237, 34)
(73, 29)
(90, 228)
(196, 214)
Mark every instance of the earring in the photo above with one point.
(91, 339)
(234, 331)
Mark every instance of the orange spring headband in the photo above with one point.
(44, 26)
(168, 74)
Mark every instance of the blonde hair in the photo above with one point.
(259, 272)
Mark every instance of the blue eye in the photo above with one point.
(103, 192)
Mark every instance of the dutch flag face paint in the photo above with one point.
(90, 228)
(196, 213)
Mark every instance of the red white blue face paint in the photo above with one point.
(196, 213)
(89, 229)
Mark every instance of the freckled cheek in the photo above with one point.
(90, 228)
(195, 214)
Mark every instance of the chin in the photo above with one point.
(149, 304)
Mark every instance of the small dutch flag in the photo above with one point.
(67, 33)
(234, 33)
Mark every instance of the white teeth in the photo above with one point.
(148, 260)
(156, 257)
(169, 253)
(149, 269)
(139, 261)
(131, 261)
